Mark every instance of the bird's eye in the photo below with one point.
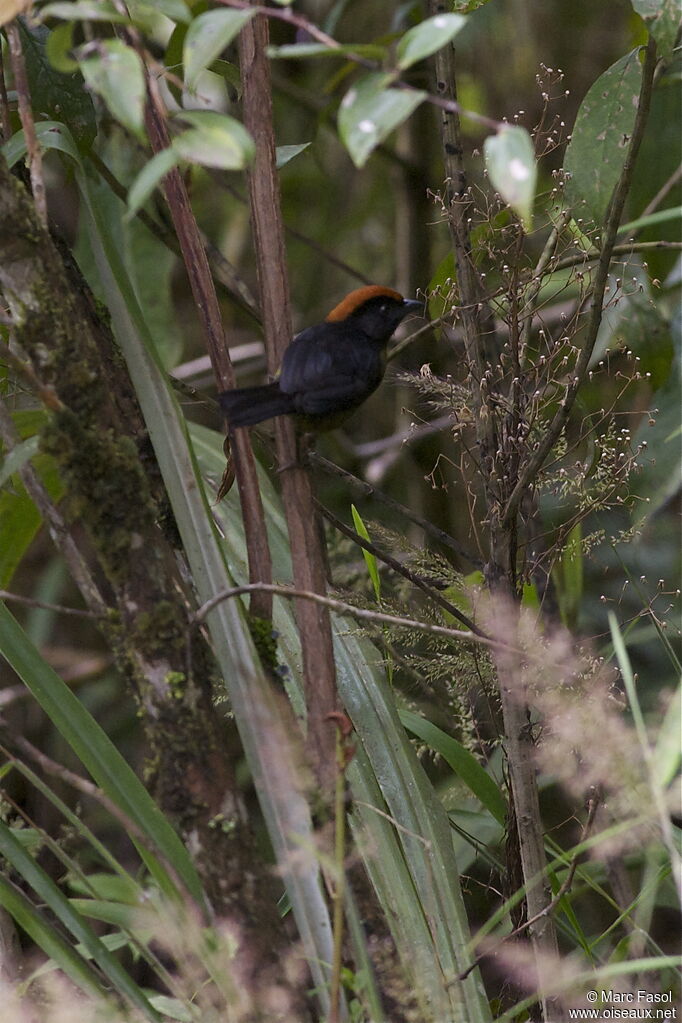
(383, 307)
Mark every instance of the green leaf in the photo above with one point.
(303, 51)
(58, 48)
(57, 96)
(286, 153)
(97, 752)
(510, 161)
(19, 455)
(149, 177)
(596, 153)
(428, 37)
(46, 937)
(85, 10)
(659, 475)
(667, 754)
(207, 37)
(659, 217)
(662, 18)
(145, 13)
(49, 893)
(370, 560)
(462, 762)
(214, 140)
(116, 74)
(370, 111)
(568, 577)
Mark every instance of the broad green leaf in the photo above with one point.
(370, 111)
(214, 140)
(173, 1008)
(424, 39)
(370, 560)
(56, 95)
(207, 37)
(115, 73)
(48, 892)
(510, 161)
(462, 762)
(147, 14)
(149, 177)
(19, 455)
(96, 751)
(85, 10)
(20, 520)
(596, 153)
(58, 48)
(286, 153)
(50, 134)
(662, 18)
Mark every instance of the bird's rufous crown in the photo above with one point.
(357, 298)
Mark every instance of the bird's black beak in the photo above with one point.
(412, 305)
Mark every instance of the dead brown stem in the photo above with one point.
(34, 152)
(208, 309)
(305, 541)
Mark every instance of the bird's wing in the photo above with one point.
(315, 357)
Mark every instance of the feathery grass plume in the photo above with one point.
(584, 739)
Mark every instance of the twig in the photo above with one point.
(286, 14)
(367, 490)
(618, 250)
(34, 152)
(208, 309)
(4, 103)
(554, 429)
(666, 187)
(406, 573)
(222, 269)
(342, 607)
(305, 539)
(43, 604)
(59, 531)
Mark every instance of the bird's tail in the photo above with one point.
(245, 406)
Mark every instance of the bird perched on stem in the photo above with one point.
(329, 369)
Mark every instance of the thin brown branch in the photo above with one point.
(4, 103)
(34, 152)
(208, 309)
(554, 429)
(305, 539)
(44, 605)
(367, 490)
(59, 530)
(302, 23)
(663, 191)
(406, 573)
(342, 607)
(223, 271)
